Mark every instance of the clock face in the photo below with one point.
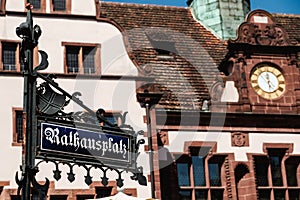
(268, 82)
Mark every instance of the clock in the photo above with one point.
(268, 81)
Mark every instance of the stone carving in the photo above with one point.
(260, 29)
(239, 139)
(163, 138)
(262, 34)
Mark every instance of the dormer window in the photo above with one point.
(161, 53)
(163, 44)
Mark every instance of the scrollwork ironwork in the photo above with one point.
(47, 101)
(40, 189)
(137, 174)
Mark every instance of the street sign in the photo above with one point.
(86, 143)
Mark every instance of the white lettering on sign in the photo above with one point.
(72, 138)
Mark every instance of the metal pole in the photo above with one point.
(29, 86)
(150, 149)
(26, 32)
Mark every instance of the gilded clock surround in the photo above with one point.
(267, 81)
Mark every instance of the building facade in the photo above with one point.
(226, 126)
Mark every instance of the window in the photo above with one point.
(58, 197)
(59, 5)
(162, 53)
(10, 57)
(163, 49)
(83, 197)
(63, 6)
(277, 175)
(113, 117)
(162, 43)
(199, 175)
(38, 5)
(15, 197)
(17, 126)
(82, 58)
(103, 191)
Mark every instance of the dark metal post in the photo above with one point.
(148, 101)
(29, 35)
(29, 105)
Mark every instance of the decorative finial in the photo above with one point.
(28, 6)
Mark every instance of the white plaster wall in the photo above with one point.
(79, 7)
(15, 5)
(223, 139)
(109, 95)
(83, 7)
(10, 156)
(114, 57)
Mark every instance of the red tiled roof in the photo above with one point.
(185, 77)
(291, 23)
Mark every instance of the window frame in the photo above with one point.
(68, 7)
(186, 157)
(18, 57)
(101, 191)
(115, 114)
(97, 58)
(60, 196)
(15, 141)
(162, 44)
(42, 9)
(84, 196)
(270, 188)
(2, 7)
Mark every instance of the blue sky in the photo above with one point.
(272, 6)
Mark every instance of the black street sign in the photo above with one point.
(91, 144)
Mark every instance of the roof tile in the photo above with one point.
(186, 77)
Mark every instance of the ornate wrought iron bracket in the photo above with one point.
(41, 190)
(42, 102)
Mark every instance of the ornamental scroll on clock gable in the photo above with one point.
(262, 64)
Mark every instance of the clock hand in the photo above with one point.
(268, 81)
